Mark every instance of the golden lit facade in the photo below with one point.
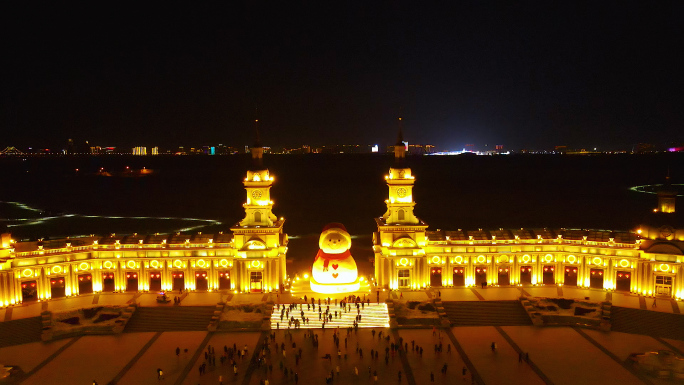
(250, 259)
(399, 244)
(648, 262)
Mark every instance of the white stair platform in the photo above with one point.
(372, 316)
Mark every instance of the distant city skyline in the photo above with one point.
(532, 76)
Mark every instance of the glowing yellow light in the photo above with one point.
(57, 269)
(201, 263)
(436, 259)
(548, 258)
(27, 272)
(664, 267)
(596, 261)
(526, 258)
(624, 263)
(306, 276)
(481, 259)
(131, 264)
(178, 263)
(83, 266)
(572, 259)
(155, 264)
(108, 264)
(223, 263)
(403, 261)
(255, 264)
(639, 231)
(458, 259)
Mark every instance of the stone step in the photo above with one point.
(20, 331)
(177, 318)
(486, 313)
(647, 322)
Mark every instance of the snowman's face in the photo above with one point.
(334, 242)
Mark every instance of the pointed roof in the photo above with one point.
(400, 134)
(257, 137)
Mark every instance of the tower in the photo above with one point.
(400, 202)
(258, 238)
(399, 243)
(666, 197)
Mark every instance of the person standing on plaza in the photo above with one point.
(160, 374)
(655, 304)
(432, 377)
(400, 376)
(296, 376)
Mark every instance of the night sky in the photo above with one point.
(537, 75)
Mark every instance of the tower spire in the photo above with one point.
(400, 147)
(257, 149)
(257, 137)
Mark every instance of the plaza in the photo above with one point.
(557, 355)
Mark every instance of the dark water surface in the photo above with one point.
(311, 190)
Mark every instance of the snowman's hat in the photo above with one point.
(335, 225)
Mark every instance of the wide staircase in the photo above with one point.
(372, 316)
(20, 331)
(652, 323)
(486, 313)
(166, 319)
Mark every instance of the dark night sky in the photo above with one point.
(534, 75)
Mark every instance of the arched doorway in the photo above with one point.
(481, 276)
(108, 284)
(224, 280)
(623, 281)
(459, 276)
(596, 278)
(201, 283)
(663, 287)
(29, 291)
(131, 281)
(155, 281)
(570, 276)
(255, 281)
(85, 283)
(178, 281)
(436, 276)
(57, 287)
(504, 276)
(547, 275)
(526, 275)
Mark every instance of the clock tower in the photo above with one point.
(399, 243)
(259, 240)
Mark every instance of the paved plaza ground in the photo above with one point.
(557, 355)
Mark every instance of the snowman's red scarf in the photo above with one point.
(330, 257)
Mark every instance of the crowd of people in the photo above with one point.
(327, 316)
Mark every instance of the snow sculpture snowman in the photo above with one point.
(334, 269)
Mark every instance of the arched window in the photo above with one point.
(257, 216)
(400, 215)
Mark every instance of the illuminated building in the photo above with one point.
(250, 259)
(140, 150)
(648, 261)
